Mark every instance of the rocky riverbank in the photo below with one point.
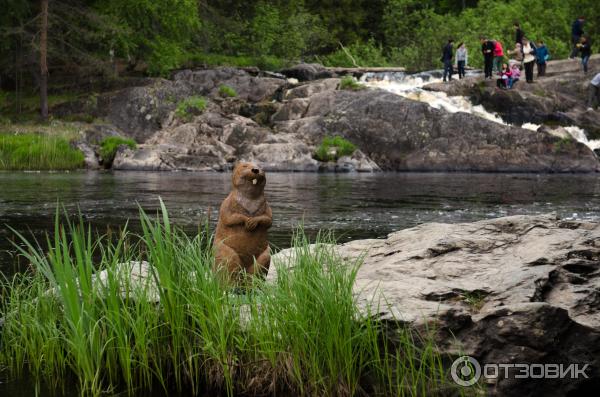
(521, 289)
(278, 122)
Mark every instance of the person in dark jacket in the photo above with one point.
(519, 34)
(585, 47)
(447, 60)
(541, 58)
(487, 49)
(576, 34)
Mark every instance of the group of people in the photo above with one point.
(525, 55)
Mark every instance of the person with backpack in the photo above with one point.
(529, 51)
(585, 47)
(487, 49)
(461, 59)
(541, 57)
(576, 34)
(447, 60)
(498, 56)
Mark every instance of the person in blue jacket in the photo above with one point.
(541, 57)
(576, 34)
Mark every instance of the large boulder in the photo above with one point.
(406, 135)
(520, 289)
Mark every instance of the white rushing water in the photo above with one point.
(411, 86)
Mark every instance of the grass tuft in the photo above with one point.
(189, 107)
(350, 83)
(110, 145)
(332, 148)
(38, 152)
(227, 91)
(92, 318)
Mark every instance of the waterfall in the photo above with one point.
(411, 86)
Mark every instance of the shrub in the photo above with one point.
(38, 152)
(110, 145)
(190, 106)
(332, 148)
(350, 83)
(227, 91)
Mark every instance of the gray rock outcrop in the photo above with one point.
(280, 125)
(521, 289)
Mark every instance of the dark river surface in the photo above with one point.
(351, 205)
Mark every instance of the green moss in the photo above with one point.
(563, 144)
(110, 145)
(227, 91)
(332, 148)
(350, 83)
(38, 152)
(189, 107)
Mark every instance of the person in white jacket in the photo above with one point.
(461, 59)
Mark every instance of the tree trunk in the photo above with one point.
(43, 61)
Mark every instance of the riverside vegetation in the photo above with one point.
(38, 152)
(302, 333)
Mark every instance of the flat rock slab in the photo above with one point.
(520, 289)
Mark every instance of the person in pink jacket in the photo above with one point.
(498, 56)
(515, 75)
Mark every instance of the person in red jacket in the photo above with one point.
(498, 55)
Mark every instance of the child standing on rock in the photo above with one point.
(541, 57)
(585, 48)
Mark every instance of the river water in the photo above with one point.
(351, 205)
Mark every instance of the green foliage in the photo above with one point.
(332, 148)
(110, 145)
(180, 329)
(189, 107)
(227, 91)
(563, 144)
(37, 152)
(357, 54)
(156, 31)
(350, 83)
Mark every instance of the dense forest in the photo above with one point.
(101, 39)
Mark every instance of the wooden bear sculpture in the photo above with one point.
(241, 246)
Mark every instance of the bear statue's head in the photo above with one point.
(248, 179)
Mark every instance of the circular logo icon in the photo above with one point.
(465, 371)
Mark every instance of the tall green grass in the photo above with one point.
(302, 334)
(38, 152)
